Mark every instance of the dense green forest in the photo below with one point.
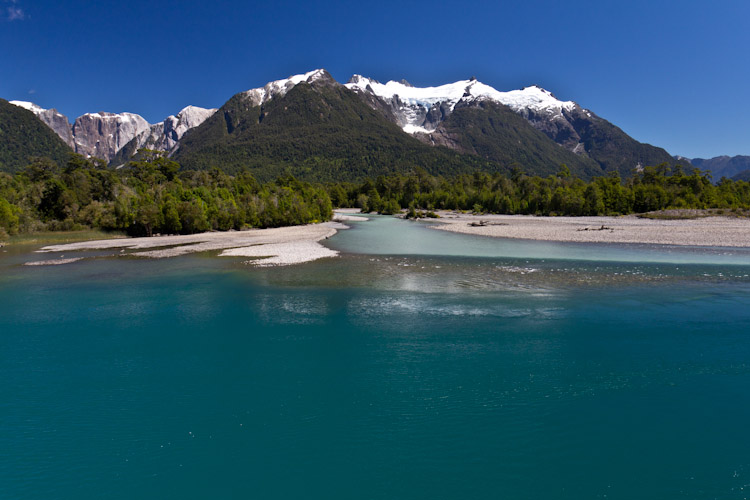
(653, 188)
(321, 133)
(153, 195)
(498, 134)
(22, 134)
(150, 196)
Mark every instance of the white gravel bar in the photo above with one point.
(277, 246)
(707, 231)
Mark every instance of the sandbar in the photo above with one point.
(274, 246)
(717, 231)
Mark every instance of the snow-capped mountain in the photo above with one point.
(279, 88)
(421, 110)
(426, 114)
(530, 127)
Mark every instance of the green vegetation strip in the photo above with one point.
(154, 196)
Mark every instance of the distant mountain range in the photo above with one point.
(105, 135)
(731, 167)
(316, 128)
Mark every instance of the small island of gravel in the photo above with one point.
(718, 231)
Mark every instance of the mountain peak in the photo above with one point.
(414, 105)
(191, 113)
(363, 80)
(263, 94)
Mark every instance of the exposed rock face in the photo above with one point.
(54, 120)
(559, 127)
(176, 126)
(104, 134)
(117, 137)
(165, 136)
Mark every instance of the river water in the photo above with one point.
(419, 364)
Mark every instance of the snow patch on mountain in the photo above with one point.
(414, 129)
(279, 88)
(30, 106)
(55, 120)
(415, 107)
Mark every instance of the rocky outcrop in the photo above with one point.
(104, 134)
(118, 136)
(164, 136)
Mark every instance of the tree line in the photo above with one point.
(648, 189)
(153, 195)
(150, 196)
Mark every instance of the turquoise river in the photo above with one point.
(419, 364)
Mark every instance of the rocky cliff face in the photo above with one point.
(164, 136)
(104, 134)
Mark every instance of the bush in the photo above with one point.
(8, 217)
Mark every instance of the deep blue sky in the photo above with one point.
(673, 74)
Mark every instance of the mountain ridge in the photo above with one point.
(589, 144)
(421, 110)
(731, 167)
(103, 134)
(318, 129)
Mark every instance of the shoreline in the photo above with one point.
(299, 244)
(709, 232)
